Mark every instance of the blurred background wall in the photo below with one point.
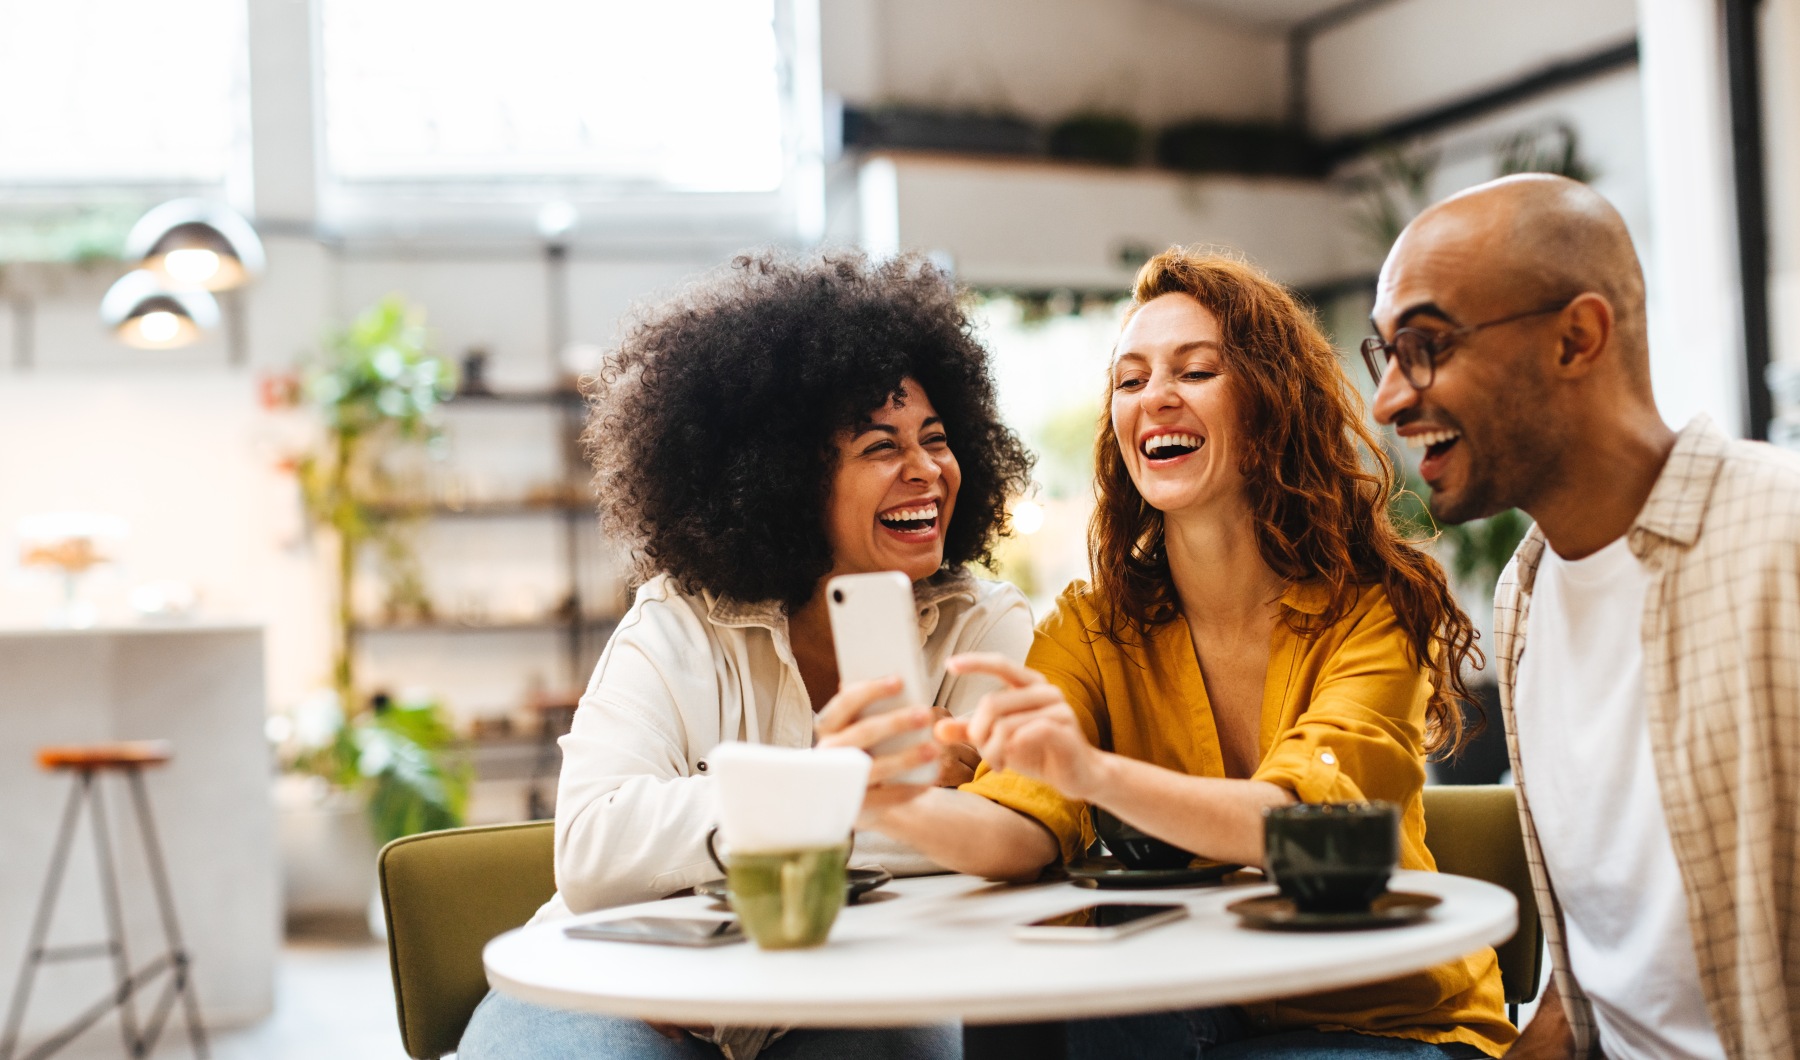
(1396, 103)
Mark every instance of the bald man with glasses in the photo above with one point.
(1647, 631)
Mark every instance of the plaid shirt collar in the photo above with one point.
(1674, 512)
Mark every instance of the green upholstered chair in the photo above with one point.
(1474, 831)
(446, 894)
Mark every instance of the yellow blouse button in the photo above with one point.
(1328, 758)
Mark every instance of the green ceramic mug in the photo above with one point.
(1332, 857)
(785, 899)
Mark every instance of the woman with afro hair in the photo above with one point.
(786, 421)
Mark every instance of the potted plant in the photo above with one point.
(1109, 139)
(1209, 146)
(921, 128)
(375, 388)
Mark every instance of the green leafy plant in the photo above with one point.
(1399, 189)
(1555, 148)
(376, 386)
(398, 754)
(77, 234)
(1111, 139)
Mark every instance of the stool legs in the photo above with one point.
(115, 916)
(165, 901)
(40, 926)
(139, 1040)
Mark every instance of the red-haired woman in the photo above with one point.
(1256, 634)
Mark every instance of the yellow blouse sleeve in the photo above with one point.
(1060, 652)
(1361, 735)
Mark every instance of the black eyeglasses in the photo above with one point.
(1419, 351)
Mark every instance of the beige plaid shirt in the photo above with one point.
(1720, 538)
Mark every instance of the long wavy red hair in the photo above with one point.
(1318, 483)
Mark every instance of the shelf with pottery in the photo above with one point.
(461, 496)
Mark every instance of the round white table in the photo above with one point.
(941, 948)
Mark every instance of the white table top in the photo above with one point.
(943, 949)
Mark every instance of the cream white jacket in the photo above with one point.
(684, 673)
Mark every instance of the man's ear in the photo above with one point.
(1586, 333)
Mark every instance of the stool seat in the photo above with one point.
(120, 755)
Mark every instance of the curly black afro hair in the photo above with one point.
(711, 427)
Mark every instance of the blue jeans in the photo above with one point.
(503, 1028)
(1224, 1034)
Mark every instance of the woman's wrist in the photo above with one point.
(1103, 771)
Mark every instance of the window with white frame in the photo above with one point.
(625, 94)
(120, 91)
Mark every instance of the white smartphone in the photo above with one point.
(876, 629)
(1099, 923)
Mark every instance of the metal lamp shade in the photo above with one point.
(141, 312)
(196, 245)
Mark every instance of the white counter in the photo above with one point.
(200, 686)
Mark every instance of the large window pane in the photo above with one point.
(680, 95)
(119, 91)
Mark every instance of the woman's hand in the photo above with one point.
(841, 724)
(1028, 728)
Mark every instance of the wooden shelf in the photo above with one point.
(484, 509)
(517, 397)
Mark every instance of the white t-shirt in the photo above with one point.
(1584, 750)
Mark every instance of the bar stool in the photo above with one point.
(86, 761)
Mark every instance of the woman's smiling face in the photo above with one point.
(1177, 418)
(893, 490)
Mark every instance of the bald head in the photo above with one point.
(1538, 239)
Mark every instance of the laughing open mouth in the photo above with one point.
(914, 520)
(1435, 443)
(1171, 445)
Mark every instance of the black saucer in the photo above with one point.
(1272, 912)
(1111, 872)
(859, 881)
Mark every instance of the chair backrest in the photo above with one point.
(446, 894)
(1474, 831)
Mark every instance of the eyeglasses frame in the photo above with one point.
(1437, 346)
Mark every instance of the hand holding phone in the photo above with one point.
(875, 632)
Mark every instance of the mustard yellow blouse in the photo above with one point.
(1343, 720)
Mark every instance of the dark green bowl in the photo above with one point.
(1136, 849)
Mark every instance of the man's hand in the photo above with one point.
(957, 761)
(1548, 1036)
(1026, 727)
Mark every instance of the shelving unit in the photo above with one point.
(582, 616)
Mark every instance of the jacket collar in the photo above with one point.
(929, 595)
